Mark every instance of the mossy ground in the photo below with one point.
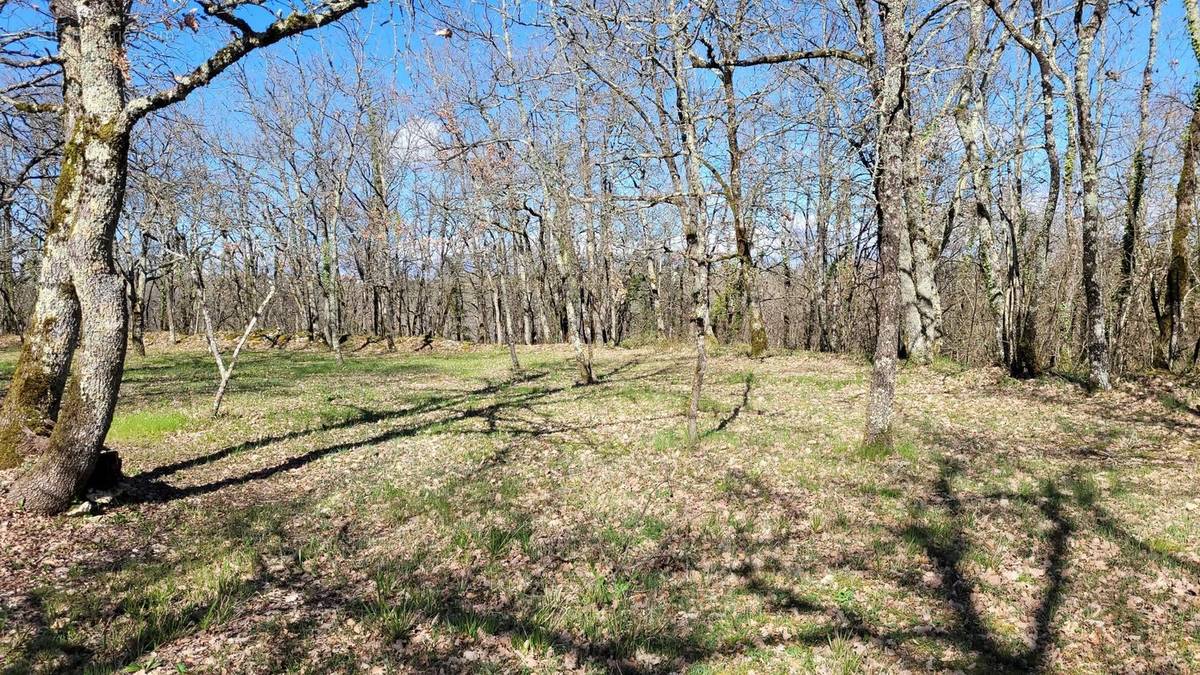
(424, 511)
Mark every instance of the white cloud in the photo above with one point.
(416, 141)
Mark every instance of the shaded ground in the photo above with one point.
(424, 512)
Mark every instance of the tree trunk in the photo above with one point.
(893, 125)
(967, 117)
(570, 273)
(32, 402)
(755, 329)
(9, 321)
(1135, 206)
(1089, 159)
(509, 339)
(92, 183)
(1027, 361)
(921, 304)
(695, 241)
(1170, 314)
(137, 309)
(660, 326)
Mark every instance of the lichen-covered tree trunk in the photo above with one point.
(920, 301)
(509, 338)
(1135, 203)
(818, 327)
(695, 249)
(95, 160)
(786, 332)
(35, 391)
(660, 326)
(521, 259)
(747, 287)
(967, 117)
(31, 404)
(10, 322)
(911, 346)
(893, 125)
(570, 273)
(331, 290)
(137, 308)
(921, 313)
(1089, 163)
(1027, 360)
(1170, 314)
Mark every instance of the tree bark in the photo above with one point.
(695, 248)
(570, 273)
(1135, 204)
(1089, 159)
(1027, 360)
(84, 211)
(1170, 314)
(967, 117)
(921, 313)
(31, 404)
(755, 328)
(893, 126)
(93, 181)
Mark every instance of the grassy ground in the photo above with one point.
(419, 511)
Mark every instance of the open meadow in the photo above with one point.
(426, 511)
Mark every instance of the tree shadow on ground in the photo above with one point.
(686, 551)
(945, 550)
(737, 409)
(461, 600)
(148, 486)
(1116, 408)
(361, 417)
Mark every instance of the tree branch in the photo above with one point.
(29, 107)
(234, 50)
(784, 57)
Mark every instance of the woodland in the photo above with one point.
(704, 336)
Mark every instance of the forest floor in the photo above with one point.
(425, 512)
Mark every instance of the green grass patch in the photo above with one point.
(145, 427)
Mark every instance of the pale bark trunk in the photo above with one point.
(569, 273)
(1135, 205)
(1097, 334)
(695, 249)
(168, 294)
(660, 326)
(137, 309)
(86, 208)
(921, 313)
(32, 402)
(893, 125)
(1170, 315)
(10, 322)
(226, 371)
(508, 323)
(967, 117)
(95, 158)
(331, 293)
(755, 328)
(526, 292)
(1027, 360)
(35, 391)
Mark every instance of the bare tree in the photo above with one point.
(78, 330)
